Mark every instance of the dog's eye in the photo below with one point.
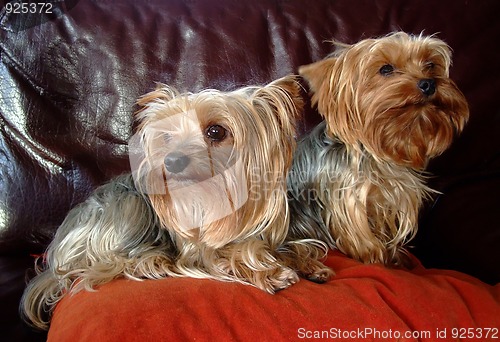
(216, 133)
(430, 66)
(386, 70)
(167, 137)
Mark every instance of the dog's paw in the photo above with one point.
(320, 275)
(282, 279)
(316, 272)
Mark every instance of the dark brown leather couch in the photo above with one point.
(69, 81)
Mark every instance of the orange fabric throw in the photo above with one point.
(362, 302)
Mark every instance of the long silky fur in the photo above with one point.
(96, 243)
(369, 205)
(358, 180)
(130, 228)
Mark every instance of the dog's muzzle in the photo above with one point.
(427, 86)
(176, 162)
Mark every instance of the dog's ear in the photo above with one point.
(288, 89)
(283, 99)
(162, 93)
(316, 73)
(150, 103)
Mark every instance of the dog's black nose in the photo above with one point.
(176, 162)
(427, 86)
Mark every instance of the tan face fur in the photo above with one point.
(391, 96)
(239, 147)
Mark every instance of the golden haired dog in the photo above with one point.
(357, 180)
(206, 198)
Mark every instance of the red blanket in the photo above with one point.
(362, 302)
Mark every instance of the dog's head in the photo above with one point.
(392, 96)
(213, 163)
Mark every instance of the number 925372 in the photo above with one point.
(465, 333)
(29, 8)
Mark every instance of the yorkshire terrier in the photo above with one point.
(206, 198)
(357, 180)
